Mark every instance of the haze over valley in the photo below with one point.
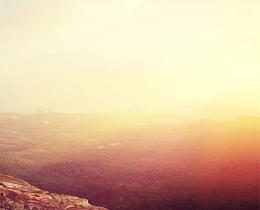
(136, 161)
(130, 104)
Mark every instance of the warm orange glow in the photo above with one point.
(194, 59)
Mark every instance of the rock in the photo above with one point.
(16, 194)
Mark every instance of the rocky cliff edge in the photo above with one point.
(16, 194)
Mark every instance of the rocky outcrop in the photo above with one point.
(16, 194)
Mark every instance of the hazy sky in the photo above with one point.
(186, 56)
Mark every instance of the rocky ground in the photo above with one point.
(16, 194)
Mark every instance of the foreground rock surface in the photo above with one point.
(16, 194)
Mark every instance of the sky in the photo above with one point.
(191, 57)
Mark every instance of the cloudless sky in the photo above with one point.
(192, 57)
